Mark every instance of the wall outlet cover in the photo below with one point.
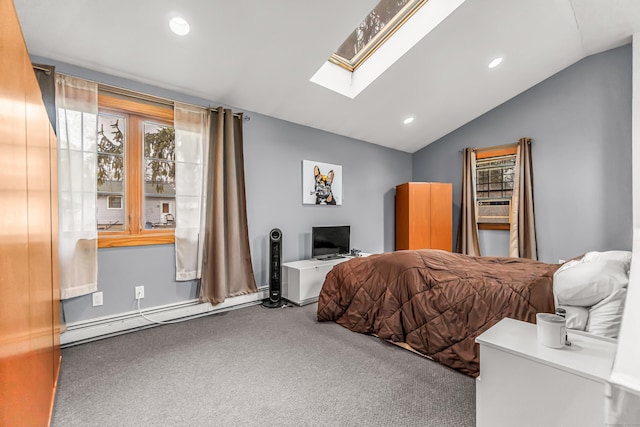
(97, 299)
(139, 292)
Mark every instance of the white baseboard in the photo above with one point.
(103, 327)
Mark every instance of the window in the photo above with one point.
(110, 173)
(135, 171)
(375, 29)
(495, 173)
(159, 175)
(114, 202)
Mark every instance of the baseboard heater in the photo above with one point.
(108, 326)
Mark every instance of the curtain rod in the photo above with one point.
(494, 147)
(47, 71)
(153, 98)
(146, 97)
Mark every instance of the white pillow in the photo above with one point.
(568, 264)
(622, 256)
(576, 316)
(588, 283)
(606, 316)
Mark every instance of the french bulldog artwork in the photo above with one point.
(322, 189)
(321, 183)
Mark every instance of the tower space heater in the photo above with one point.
(275, 270)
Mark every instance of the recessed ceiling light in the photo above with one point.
(179, 25)
(497, 61)
(408, 120)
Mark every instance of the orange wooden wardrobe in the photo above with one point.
(29, 295)
(424, 215)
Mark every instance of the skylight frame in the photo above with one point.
(351, 83)
(407, 11)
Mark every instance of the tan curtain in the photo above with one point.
(227, 270)
(468, 242)
(522, 240)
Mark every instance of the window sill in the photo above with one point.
(106, 240)
(494, 226)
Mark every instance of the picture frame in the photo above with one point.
(321, 183)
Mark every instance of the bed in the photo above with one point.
(435, 302)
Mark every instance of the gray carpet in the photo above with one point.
(256, 367)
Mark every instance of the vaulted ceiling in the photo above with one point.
(258, 56)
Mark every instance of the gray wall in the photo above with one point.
(580, 123)
(274, 150)
(579, 119)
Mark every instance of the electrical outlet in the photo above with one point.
(139, 292)
(97, 299)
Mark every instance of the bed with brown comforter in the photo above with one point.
(437, 302)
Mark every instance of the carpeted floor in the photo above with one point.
(256, 367)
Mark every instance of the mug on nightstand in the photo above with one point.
(552, 331)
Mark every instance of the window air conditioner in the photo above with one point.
(494, 211)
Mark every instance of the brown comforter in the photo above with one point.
(437, 302)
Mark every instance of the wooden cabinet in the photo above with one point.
(424, 215)
(523, 383)
(29, 296)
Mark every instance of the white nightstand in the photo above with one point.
(523, 383)
(302, 280)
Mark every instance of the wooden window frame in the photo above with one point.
(388, 30)
(136, 112)
(486, 153)
(489, 226)
(503, 150)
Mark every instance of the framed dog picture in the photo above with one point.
(321, 183)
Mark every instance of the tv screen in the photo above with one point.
(330, 241)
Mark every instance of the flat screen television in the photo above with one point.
(327, 242)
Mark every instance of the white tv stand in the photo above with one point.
(302, 280)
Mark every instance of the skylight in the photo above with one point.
(376, 27)
(385, 41)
